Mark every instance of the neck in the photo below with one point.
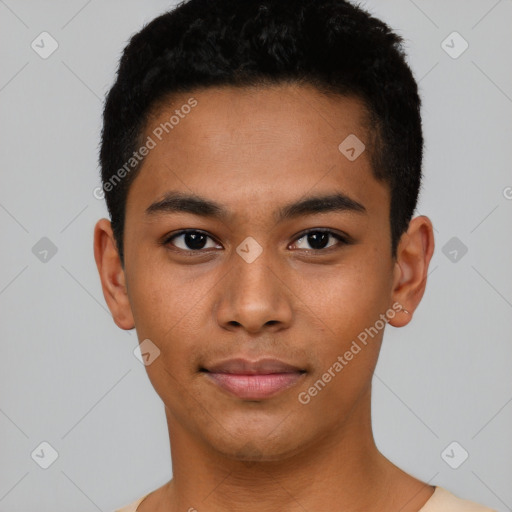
(341, 471)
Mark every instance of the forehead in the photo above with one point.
(280, 114)
(246, 146)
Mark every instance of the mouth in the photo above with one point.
(254, 380)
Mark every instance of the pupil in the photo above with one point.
(318, 240)
(191, 240)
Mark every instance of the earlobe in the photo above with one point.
(411, 268)
(112, 275)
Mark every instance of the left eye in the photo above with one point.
(318, 240)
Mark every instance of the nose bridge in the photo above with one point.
(252, 272)
(255, 297)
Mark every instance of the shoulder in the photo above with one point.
(132, 507)
(444, 501)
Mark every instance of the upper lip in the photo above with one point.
(262, 366)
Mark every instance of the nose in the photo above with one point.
(254, 297)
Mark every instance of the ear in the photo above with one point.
(112, 275)
(414, 253)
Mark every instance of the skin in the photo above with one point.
(253, 151)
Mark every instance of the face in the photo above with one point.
(255, 278)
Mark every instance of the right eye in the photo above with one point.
(190, 240)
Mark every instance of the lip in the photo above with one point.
(254, 380)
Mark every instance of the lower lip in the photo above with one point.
(255, 387)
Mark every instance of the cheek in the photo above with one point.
(347, 295)
(157, 302)
(345, 303)
(170, 309)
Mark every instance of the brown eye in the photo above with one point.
(319, 240)
(190, 240)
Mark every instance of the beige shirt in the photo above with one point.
(441, 501)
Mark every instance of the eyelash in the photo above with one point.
(342, 239)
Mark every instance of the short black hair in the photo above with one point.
(334, 45)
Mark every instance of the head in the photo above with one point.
(262, 120)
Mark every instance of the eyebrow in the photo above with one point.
(176, 202)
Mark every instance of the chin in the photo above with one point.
(258, 447)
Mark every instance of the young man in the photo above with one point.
(261, 162)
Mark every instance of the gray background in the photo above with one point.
(68, 374)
